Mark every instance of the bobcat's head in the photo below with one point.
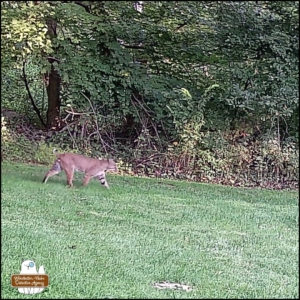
(111, 166)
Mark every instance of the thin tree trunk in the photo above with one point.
(53, 89)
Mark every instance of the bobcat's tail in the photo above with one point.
(56, 167)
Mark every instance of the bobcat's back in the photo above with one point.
(85, 164)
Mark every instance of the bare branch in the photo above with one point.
(77, 114)
(96, 123)
(30, 96)
(53, 58)
(180, 26)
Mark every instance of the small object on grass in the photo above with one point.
(172, 286)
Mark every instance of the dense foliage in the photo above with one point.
(177, 88)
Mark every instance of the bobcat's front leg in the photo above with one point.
(70, 174)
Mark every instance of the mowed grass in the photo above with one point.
(96, 243)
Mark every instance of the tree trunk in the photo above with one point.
(53, 89)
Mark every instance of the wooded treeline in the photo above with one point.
(205, 90)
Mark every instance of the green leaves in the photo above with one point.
(206, 62)
(24, 31)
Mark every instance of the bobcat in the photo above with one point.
(70, 162)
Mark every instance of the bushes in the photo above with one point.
(226, 157)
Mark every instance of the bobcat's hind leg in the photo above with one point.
(86, 179)
(56, 168)
(102, 179)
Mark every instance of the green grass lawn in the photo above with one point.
(97, 243)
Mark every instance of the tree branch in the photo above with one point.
(86, 7)
(30, 96)
(180, 26)
(133, 46)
